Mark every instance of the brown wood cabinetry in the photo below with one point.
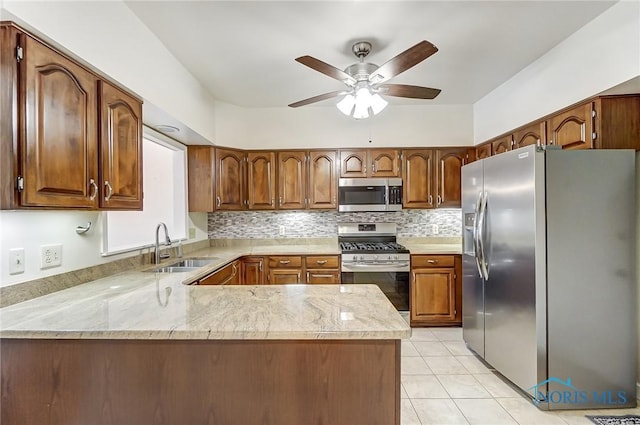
(261, 180)
(369, 163)
(228, 275)
(533, 134)
(201, 175)
(323, 180)
(436, 294)
(572, 129)
(617, 122)
(307, 180)
(230, 179)
(70, 138)
(253, 269)
(292, 180)
(431, 177)
(483, 151)
(502, 144)
(284, 270)
(322, 269)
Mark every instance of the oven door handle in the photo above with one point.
(377, 265)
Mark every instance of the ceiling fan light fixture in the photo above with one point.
(378, 103)
(346, 104)
(362, 104)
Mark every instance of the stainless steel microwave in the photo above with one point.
(370, 194)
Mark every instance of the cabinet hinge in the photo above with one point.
(20, 183)
(594, 135)
(19, 53)
(593, 113)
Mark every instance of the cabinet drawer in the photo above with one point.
(432, 261)
(322, 262)
(323, 277)
(285, 261)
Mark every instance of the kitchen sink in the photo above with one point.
(186, 265)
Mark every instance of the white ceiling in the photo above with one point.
(243, 51)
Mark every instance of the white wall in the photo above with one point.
(602, 54)
(325, 126)
(111, 38)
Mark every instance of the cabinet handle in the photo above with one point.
(373, 167)
(430, 200)
(235, 272)
(218, 201)
(432, 261)
(280, 200)
(285, 261)
(364, 170)
(319, 275)
(321, 261)
(439, 199)
(94, 192)
(109, 190)
(273, 201)
(260, 266)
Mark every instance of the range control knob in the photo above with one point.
(355, 258)
(375, 257)
(362, 258)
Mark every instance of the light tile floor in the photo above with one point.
(444, 383)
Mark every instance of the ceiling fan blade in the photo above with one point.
(405, 60)
(414, 92)
(327, 69)
(318, 98)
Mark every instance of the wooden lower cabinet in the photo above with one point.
(253, 269)
(228, 275)
(436, 290)
(322, 269)
(285, 270)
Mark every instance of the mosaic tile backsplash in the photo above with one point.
(321, 224)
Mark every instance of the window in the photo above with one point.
(165, 199)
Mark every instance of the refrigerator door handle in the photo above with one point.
(481, 224)
(476, 241)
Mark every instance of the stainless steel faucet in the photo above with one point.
(167, 242)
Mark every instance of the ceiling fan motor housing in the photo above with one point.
(361, 70)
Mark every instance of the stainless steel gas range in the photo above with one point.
(371, 255)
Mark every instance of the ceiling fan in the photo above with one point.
(365, 81)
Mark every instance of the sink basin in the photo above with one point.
(186, 265)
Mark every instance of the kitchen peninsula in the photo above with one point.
(143, 348)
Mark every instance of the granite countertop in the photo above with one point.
(145, 305)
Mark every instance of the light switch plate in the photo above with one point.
(16, 260)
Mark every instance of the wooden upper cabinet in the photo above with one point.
(572, 129)
(384, 163)
(533, 134)
(261, 180)
(292, 180)
(353, 163)
(201, 175)
(229, 181)
(483, 151)
(449, 171)
(417, 177)
(323, 180)
(369, 163)
(121, 149)
(60, 145)
(502, 144)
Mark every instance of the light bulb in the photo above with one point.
(346, 104)
(378, 103)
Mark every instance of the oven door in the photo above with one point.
(394, 284)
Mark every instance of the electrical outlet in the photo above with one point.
(16, 260)
(434, 229)
(192, 232)
(51, 256)
(282, 230)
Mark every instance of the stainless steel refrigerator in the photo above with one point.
(549, 283)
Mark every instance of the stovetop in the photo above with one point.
(372, 247)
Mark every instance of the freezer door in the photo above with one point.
(511, 196)
(472, 283)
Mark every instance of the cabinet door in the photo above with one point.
(261, 180)
(502, 144)
(228, 275)
(417, 177)
(353, 163)
(433, 294)
(533, 134)
(384, 163)
(323, 180)
(120, 149)
(572, 129)
(59, 154)
(252, 271)
(449, 169)
(483, 151)
(323, 277)
(230, 180)
(292, 180)
(285, 276)
(201, 162)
